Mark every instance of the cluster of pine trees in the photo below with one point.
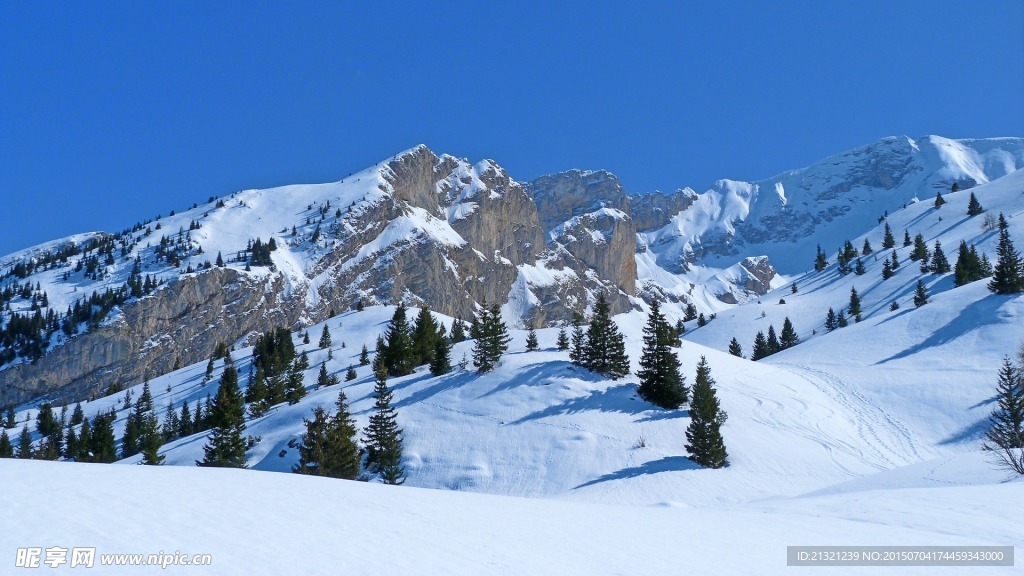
(765, 346)
(601, 348)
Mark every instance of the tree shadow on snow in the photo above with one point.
(666, 464)
(545, 373)
(974, 434)
(620, 398)
(970, 318)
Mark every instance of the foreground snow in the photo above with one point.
(265, 523)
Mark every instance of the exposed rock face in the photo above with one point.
(588, 214)
(652, 211)
(180, 324)
(755, 277)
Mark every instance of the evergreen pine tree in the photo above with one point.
(841, 321)
(866, 250)
(531, 339)
(973, 206)
(425, 333)
(859, 269)
(493, 340)
(579, 340)
(328, 447)
(458, 332)
(25, 443)
(295, 386)
(906, 238)
(939, 200)
(735, 349)
(383, 438)
(605, 350)
(920, 251)
(660, 380)
(939, 265)
(788, 337)
(364, 357)
(920, 294)
(325, 338)
(894, 306)
(399, 354)
(855, 310)
(888, 241)
(773, 341)
(704, 442)
(886, 270)
(78, 415)
(701, 320)
(323, 379)
(102, 445)
(830, 320)
(227, 444)
(895, 261)
(761, 349)
(6, 448)
(350, 374)
(209, 370)
(1008, 275)
(9, 422)
(151, 438)
(185, 426)
(441, 363)
(820, 261)
(1005, 435)
(563, 339)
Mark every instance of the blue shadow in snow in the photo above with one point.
(970, 318)
(618, 398)
(543, 374)
(666, 464)
(444, 383)
(973, 434)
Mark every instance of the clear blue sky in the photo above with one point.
(112, 112)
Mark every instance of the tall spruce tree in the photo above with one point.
(6, 448)
(1008, 274)
(383, 437)
(761, 348)
(773, 341)
(866, 250)
(25, 443)
(830, 320)
(493, 340)
(364, 357)
(579, 340)
(531, 339)
(788, 337)
(660, 380)
(1007, 420)
(888, 241)
(441, 363)
(605, 350)
(458, 331)
(227, 444)
(328, 447)
(425, 332)
(939, 200)
(563, 339)
(325, 338)
(399, 353)
(939, 265)
(920, 294)
(704, 442)
(854, 309)
(820, 261)
(102, 445)
(735, 349)
(973, 206)
(841, 321)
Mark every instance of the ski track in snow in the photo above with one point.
(890, 443)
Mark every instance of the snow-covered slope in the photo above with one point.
(786, 216)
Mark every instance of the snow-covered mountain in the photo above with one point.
(98, 309)
(866, 434)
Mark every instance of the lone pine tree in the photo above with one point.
(788, 337)
(492, 341)
(660, 380)
(531, 339)
(383, 437)
(441, 363)
(1008, 275)
(973, 206)
(704, 442)
(226, 417)
(888, 241)
(563, 339)
(920, 294)
(605, 349)
(735, 349)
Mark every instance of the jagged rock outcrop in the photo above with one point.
(178, 325)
